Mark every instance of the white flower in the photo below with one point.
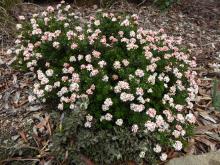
(96, 54)
(148, 54)
(94, 72)
(131, 45)
(9, 52)
(139, 91)
(74, 87)
(65, 70)
(125, 62)
(139, 73)
(166, 79)
(87, 124)
(31, 98)
(163, 157)
(132, 33)
(50, 9)
(48, 88)
(125, 22)
(180, 118)
(44, 81)
(176, 133)
(151, 112)
(117, 65)
(108, 102)
(178, 145)
(114, 19)
(105, 78)
(66, 24)
(78, 28)
(60, 106)
(137, 107)
(157, 148)
(80, 57)
(97, 22)
(21, 17)
(67, 8)
(72, 59)
(89, 117)
(56, 84)
(149, 90)
(150, 126)
(119, 122)
(74, 46)
(126, 97)
(102, 63)
(159, 121)
(72, 106)
(123, 85)
(142, 154)
(134, 128)
(18, 26)
(190, 118)
(49, 72)
(141, 100)
(58, 6)
(33, 21)
(56, 45)
(152, 78)
(105, 107)
(108, 117)
(69, 34)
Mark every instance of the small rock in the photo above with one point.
(14, 138)
(34, 108)
(212, 158)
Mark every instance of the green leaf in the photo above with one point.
(216, 94)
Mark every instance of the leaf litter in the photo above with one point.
(198, 23)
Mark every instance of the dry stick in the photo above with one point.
(1, 61)
(30, 147)
(19, 159)
(2, 44)
(28, 3)
(141, 3)
(216, 42)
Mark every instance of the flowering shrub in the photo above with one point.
(133, 78)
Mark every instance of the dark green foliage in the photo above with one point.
(72, 140)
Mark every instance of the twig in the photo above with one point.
(19, 159)
(34, 148)
(141, 3)
(28, 3)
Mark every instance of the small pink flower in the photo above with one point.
(50, 9)
(96, 54)
(151, 112)
(74, 46)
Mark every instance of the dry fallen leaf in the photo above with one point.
(206, 116)
(23, 136)
(207, 142)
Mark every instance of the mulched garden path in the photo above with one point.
(198, 23)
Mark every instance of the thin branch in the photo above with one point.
(19, 159)
(141, 3)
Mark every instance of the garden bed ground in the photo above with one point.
(198, 22)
